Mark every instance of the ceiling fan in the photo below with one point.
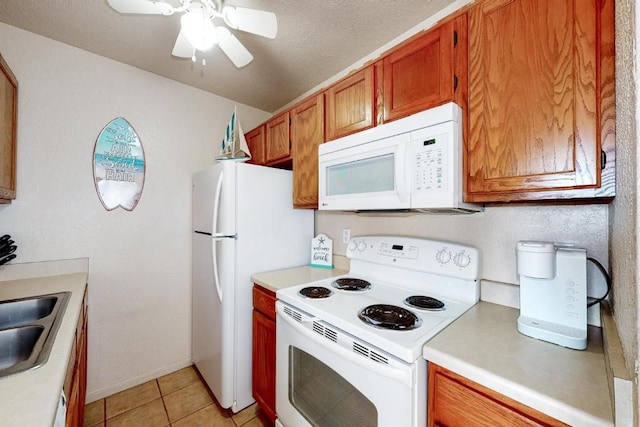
(197, 31)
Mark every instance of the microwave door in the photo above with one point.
(370, 176)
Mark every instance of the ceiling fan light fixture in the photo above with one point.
(198, 28)
(197, 32)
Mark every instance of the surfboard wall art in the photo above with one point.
(118, 166)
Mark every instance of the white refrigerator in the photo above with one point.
(243, 223)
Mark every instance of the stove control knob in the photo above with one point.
(462, 260)
(362, 245)
(352, 245)
(443, 256)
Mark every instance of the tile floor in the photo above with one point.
(179, 399)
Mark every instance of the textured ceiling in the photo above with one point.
(316, 40)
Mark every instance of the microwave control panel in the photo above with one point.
(431, 163)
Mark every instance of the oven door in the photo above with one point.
(325, 377)
(369, 176)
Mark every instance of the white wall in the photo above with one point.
(139, 280)
(495, 232)
(624, 214)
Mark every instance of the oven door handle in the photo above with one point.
(404, 376)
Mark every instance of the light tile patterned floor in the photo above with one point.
(179, 399)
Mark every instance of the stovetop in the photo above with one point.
(422, 272)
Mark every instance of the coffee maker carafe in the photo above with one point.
(553, 293)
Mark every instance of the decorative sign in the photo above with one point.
(234, 145)
(118, 166)
(322, 252)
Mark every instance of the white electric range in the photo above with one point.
(366, 330)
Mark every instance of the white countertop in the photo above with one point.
(274, 280)
(30, 399)
(485, 346)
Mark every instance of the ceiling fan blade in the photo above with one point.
(254, 21)
(141, 6)
(182, 48)
(231, 46)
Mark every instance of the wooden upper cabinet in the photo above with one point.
(419, 75)
(278, 145)
(307, 133)
(8, 132)
(256, 143)
(350, 105)
(541, 100)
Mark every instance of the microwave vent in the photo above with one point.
(407, 212)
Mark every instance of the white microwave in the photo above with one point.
(414, 163)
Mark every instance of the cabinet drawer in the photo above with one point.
(264, 301)
(457, 401)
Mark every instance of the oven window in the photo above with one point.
(323, 397)
(373, 174)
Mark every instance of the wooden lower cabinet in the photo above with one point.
(75, 385)
(264, 350)
(457, 401)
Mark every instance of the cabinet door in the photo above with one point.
(8, 131)
(76, 381)
(534, 87)
(307, 133)
(350, 106)
(264, 363)
(256, 143)
(456, 401)
(419, 75)
(278, 146)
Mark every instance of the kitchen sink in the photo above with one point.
(19, 312)
(28, 327)
(17, 344)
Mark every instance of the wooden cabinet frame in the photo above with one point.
(264, 350)
(278, 140)
(8, 132)
(542, 121)
(350, 105)
(454, 400)
(307, 133)
(419, 74)
(257, 144)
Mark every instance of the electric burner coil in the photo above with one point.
(351, 284)
(315, 292)
(424, 303)
(386, 316)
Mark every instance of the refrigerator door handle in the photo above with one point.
(214, 260)
(215, 235)
(216, 204)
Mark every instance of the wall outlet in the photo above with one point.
(346, 235)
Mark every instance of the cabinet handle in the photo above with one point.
(455, 82)
(455, 38)
(603, 159)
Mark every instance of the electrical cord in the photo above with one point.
(607, 278)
